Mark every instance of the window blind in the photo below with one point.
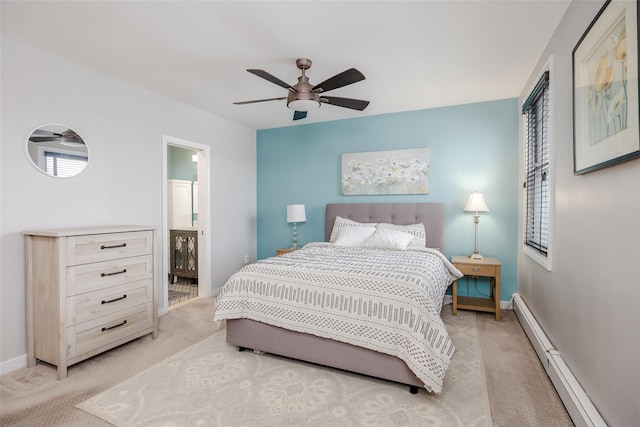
(63, 165)
(536, 179)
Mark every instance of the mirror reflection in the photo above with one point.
(57, 151)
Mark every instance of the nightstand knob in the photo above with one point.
(475, 270)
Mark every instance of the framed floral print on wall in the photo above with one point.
(605, 89)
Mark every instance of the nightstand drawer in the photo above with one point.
(477, 270)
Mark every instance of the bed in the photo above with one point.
(417, 357)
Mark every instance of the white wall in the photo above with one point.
(123, 126)
(589, 304)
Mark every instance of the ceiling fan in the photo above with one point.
(67, 137)
(304, 97)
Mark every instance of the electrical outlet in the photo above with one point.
(246, 259)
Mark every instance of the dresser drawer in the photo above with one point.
(100, 275)
(92, 305)
(102, 247)
(476, 270)
(92, 335)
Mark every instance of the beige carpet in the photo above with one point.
(520, 391)
(213, 384)
(520, 394)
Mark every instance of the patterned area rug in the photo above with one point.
(182, 291)
(176, 296)
(213, 384)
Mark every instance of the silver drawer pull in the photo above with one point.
(114, 273)
(114, 326)
(114, 300)
(475, 270)
(124, 245)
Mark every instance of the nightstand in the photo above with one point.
(485, 267)
(282, 251)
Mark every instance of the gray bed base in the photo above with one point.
(250, 334)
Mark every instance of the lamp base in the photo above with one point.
(475, 256)
(295, 236)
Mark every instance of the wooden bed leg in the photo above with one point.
(241, 349)
(413, 389)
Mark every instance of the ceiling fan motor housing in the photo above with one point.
(302, 98)
(303, 101)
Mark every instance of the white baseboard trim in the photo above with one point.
(13, 364)
(576, 401)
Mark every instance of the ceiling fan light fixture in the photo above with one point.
(303, 104)
(71, 139)
(303, 99)
(72, 143)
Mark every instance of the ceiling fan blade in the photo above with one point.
(354, 104)
(46, 132)
(339, 80)
(299, 115)
(34, 138)
(260, 100)
(272, 79)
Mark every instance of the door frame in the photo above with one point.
(204, 218)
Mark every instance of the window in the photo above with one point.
(63, 165)
(536, 169)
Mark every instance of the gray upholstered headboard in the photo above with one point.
(430, 214)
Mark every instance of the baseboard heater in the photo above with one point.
(576, 401)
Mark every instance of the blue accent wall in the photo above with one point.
(471, 147)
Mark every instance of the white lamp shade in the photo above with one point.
(476, 203)
(296, 213)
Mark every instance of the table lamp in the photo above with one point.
(476, 204)
(295, 214)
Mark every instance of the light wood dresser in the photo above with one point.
(88, 290)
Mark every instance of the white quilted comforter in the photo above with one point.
(384, 300)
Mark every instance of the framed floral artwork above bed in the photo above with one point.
(605, 89)
(386, 172)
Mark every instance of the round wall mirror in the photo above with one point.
(57, 151)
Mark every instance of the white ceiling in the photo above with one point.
(414, 54)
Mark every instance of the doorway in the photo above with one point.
(186, 271)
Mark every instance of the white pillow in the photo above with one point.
(343, 223)
(354, 236)
(416, 230)
(386, 238)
